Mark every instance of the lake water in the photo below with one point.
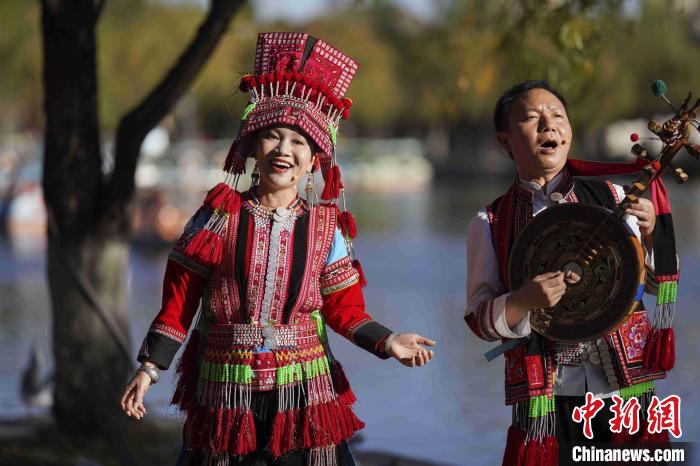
(413, 252)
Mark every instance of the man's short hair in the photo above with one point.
(500, 113)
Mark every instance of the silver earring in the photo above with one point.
(309, 187)
(255, 177)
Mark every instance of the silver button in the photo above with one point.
(556, 197)
(281, 214)
(270, 342)
(594, 357)
(268, 331)
(614, 386)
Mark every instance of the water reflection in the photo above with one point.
(413, 251)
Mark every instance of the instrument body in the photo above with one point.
(596, 243)
(612, 274)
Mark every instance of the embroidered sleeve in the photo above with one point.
(182, 291)
(344, 312)
(486, 295)
(338, 272)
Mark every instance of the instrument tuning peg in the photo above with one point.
(640, 152)
(680, 175)
(693, 150)
(634, 137)
(654, 127)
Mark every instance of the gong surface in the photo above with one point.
(589, 240)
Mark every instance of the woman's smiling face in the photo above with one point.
(283, 154)
(538, 134)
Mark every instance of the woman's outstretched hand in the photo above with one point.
(407, 349)
(132, 399)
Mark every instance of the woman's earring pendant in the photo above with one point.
(309, 187)
(255, 177)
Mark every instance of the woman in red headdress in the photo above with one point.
(257, 378)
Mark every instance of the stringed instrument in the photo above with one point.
(597, 244)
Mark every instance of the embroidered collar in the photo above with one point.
(563, 183)
(252, 203)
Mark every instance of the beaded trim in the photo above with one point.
(298, 206)
(277, 267)
(338, 276)
(168, 331)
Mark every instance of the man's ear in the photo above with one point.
(503, 141)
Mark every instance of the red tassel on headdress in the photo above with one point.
(346, 222)
(327, 194)
(358, 267)
(188, 370)
(232, 203)
(337, 182)
(234, 163)
(206, 248)
(247, 83)
(667, 356)
(217, 196)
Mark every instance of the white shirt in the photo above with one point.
(484, 282)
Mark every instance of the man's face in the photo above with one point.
(538, 134)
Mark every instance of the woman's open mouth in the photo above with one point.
(280, 166)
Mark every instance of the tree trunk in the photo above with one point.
(88, 215)
(90, 371)
(91, 368)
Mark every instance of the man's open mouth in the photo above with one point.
(549, 145)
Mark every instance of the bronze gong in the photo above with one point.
(601, 249)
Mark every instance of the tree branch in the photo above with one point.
(138, 122)
(99, 6)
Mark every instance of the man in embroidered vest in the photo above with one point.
(532, 126)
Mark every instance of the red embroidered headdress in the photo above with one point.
(300, 81)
